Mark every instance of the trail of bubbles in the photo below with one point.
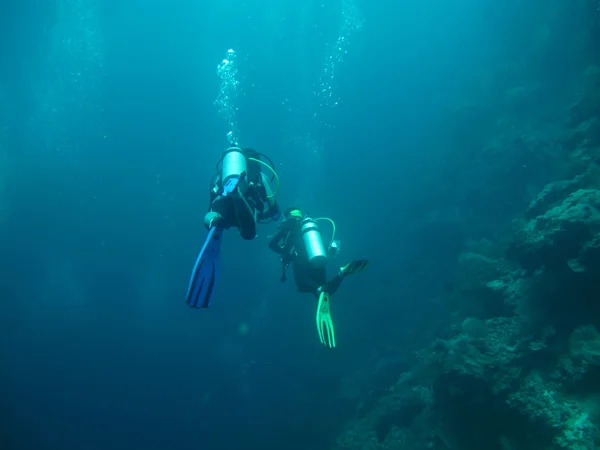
(228, 90)
(325, 91)
(312, 145)
(68, 93)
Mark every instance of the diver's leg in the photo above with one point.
(353, 267)
(334, 284)
(244, 217)
(303, 281)
(221, 214)
(319, 277)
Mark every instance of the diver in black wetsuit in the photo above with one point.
(252, 201)
(299, 242)
(241, 196)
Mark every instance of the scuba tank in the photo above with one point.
(313, 243)
(234, 164)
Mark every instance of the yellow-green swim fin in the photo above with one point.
(324, 322)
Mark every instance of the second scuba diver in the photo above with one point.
(299, 242)
(241, 196)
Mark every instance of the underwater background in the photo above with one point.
(456, 145)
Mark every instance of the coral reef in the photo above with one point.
(519, 364)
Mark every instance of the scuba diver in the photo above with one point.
(250, 199)
(241, 196)
(299, 242)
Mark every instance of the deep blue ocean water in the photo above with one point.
(109, 135)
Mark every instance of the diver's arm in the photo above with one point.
(213, 192)
(214, 215)
(273, 212)
(275, 242)
(211, 198)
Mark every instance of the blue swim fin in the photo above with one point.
(206, 271)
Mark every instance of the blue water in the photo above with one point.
(109, 139)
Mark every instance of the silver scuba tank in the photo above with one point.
(313, 243)
(233, 165)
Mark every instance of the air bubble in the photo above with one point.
(225, 102)
(351, 22)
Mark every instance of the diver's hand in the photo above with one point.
(212, 219)
(324, 322)
(287, 255)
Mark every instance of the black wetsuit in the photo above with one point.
(288, 243)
